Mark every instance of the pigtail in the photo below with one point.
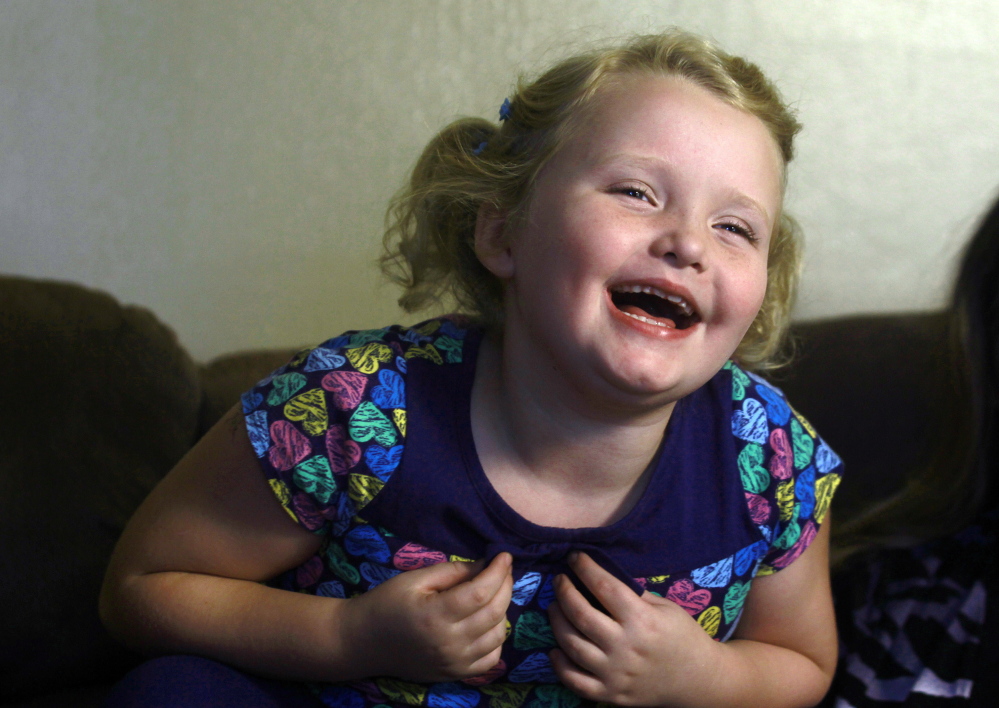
(430, 224)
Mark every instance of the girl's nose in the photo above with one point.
(683, 245)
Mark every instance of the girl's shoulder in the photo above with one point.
(341, 365)
(329, 426)
(788, 472)
(371, 350)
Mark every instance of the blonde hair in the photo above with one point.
(473, 164)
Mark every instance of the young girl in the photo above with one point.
(570, 493)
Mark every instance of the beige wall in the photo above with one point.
(227, 163)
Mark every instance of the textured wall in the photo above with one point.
(227, 163)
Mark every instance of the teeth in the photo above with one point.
(683, 304)
(649, 290)
(650, 321)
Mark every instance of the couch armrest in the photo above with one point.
(98, 402)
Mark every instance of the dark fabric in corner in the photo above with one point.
(98, 402)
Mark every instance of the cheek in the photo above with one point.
(761, 291)
(750, 292)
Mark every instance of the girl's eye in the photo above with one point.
(635, 192)
(738, 229)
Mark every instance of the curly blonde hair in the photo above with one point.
(473, 164)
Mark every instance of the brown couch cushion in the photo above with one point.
(872, 386)
(225, 379)
(98, 402)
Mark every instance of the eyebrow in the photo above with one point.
(752, 204)
(629, 159)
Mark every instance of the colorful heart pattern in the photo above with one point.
(755, 477)
(369, 422)
(452, 695)
(368, 358)
(284, 387)
(324, 359)
(309, 409)
(750, 422)
(715, 575)
(413, 556)
(289, 446)
(554, 696)
(710, 620)
(536, 668)
(525, 587)
(331, 426)
(778, 412)
(506, 695)
(315, 476)
(782, 461)
(390, 392)
(383, 461)
(376, 574)
(342, 453)
(365, 542)
(347, 388)
(532, 631)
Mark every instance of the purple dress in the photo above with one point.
(366, 440)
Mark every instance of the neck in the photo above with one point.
(539, 439)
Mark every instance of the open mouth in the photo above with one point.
(654, 306)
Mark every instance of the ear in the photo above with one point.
(492, 243)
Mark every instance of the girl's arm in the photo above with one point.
(787, 633)
(186, 578)
(649, 651)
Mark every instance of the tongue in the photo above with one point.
(636, 310)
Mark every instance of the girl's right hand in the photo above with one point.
(188, 576)
(440, 623)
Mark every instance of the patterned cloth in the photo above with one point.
(912, 622)
(366, 440)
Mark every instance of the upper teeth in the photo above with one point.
(649, 290)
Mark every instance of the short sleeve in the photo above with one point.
(328, 426)
(789, 473)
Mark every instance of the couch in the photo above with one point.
(99, 400)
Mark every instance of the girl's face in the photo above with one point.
(642, 259)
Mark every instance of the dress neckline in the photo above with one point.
(507, 515)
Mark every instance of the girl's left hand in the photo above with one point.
(648, 651)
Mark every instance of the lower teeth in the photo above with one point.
(650, 321)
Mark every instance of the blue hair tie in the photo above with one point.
(504, 114)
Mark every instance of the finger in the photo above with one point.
(442, 577)
(499, 570)
(467, 598)
(489, 664)
(578, 647)
(492, 614)
(575, 678)
(615, 596)
(588, 620)
(486, 645)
